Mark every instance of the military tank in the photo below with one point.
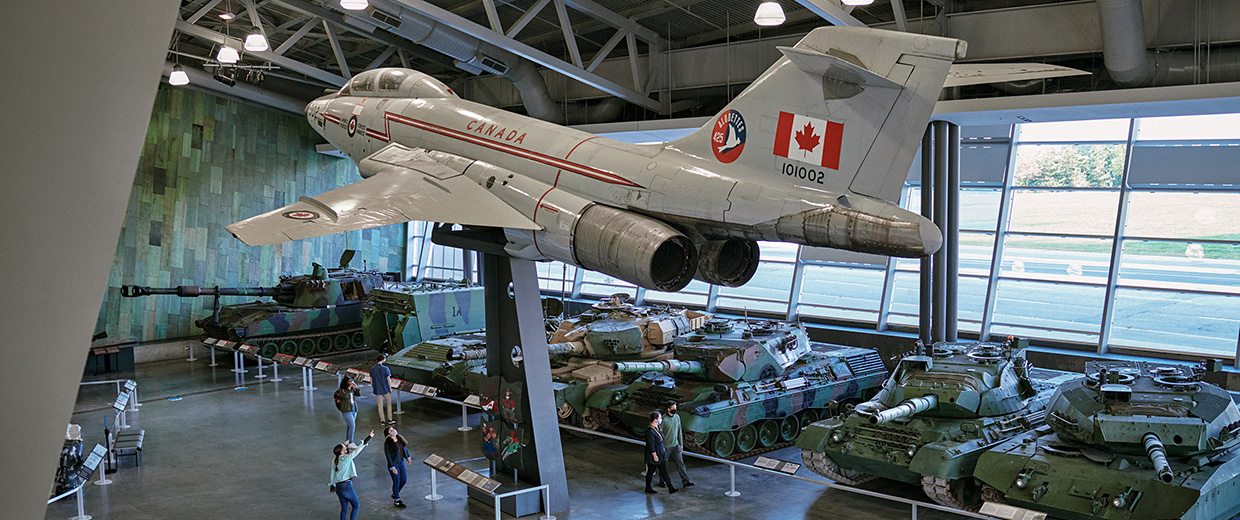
(932, 420)
(743, 387)
(1129, 440)
(399, 316)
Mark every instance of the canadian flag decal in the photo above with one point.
(815, 141)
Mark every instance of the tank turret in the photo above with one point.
(933, 418)
(615, 330)
(742, 387)
(1129, 439)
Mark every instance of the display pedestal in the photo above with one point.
(516, 505)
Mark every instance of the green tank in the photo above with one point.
(742, 388)
(1129, 440)
(584, 347)
(311, 314)
(610, 330)
(932, 420)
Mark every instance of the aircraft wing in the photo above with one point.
(407, 184)
(980, 73)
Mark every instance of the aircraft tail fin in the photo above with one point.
(845, 106)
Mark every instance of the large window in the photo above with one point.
(1054, 245)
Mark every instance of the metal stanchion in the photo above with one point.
(239, 363)
(399, 410)
(914, 511)
(81, 512)
(732, 492)
(260, 375)
(190, 346)
(307, 379)
(213, 363)
(546, 504)
(275, 371)
(133, 397)
(434, 489)
(464, 419)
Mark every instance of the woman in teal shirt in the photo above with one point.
(342, 477)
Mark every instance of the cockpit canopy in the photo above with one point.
(396, 82)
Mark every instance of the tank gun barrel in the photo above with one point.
(193, 291)
(669, 365)
(466, 354)
(905, 409)
(1158, 455)
(571, 347)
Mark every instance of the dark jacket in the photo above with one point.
(395, 453)
(654, 445)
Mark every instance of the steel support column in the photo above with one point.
(1117, 247)
(951, 237)
(515, 324)
(925, 287)
(938, 314)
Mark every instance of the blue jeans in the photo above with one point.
(344, 491)
(398, 479)
(350, 421)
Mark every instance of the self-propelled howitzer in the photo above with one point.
(742, 387)
(311, 314)
(1129, 440)
(933, 418)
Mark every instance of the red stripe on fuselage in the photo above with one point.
(523, 153)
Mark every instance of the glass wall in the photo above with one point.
(1054, 245)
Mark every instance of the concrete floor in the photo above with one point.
(264, 451)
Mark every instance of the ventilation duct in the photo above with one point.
(1130, 64)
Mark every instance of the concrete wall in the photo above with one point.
(208, 162)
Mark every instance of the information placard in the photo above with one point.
(785, 467)
(92, 462)
(247, 349)
(283, 358)
(461, 473)
(301, 361)
(1010, 512)
(324, 366)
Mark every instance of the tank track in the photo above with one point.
(822, 465)
(940, 490)
(692, 445)
(992, 494)
(259, 341)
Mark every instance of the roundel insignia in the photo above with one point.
(727, 137)
(352, 126)
(301, 215)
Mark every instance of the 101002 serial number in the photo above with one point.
(801, 172)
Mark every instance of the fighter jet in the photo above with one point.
(812, 152)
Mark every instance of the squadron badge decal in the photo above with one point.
(727, 138)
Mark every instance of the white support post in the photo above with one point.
(213, 363)
(190, 345)
(239, 362)
(546, 504)
(260, 375)
(732, 492)
(120, 420)
(464, 419)
(399, 409)
(81, 512)
(914, 511)
(275, 370)
(434, 489)
(133, 398)
(307, 379)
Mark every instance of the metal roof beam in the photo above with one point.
(567, 28)
(206, 8)
(311, 71)
(526, 18)
(830, 11)
(607, 48)
(530, 53)
(381, 58)
(340, 61)
(292, 40)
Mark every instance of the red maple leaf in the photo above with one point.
(807, 139)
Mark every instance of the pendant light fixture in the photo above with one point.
(256, 42)
(228, 55)
(769, 13)
(354, 5)
(857, 2)
(178, 76)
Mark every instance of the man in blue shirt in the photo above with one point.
(382, 385)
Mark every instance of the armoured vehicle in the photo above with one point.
(1129, 440)
(581, 345)
(939, 411)
(398, 316)
(743, 387)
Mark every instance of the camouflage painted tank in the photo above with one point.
(403, 315)
(1130, 440)
(742, 388)
(934, 418)
(584, 347)
(611, 330)
(312, 314)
